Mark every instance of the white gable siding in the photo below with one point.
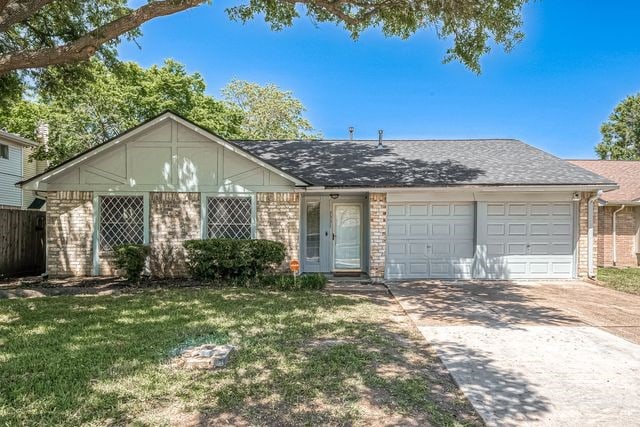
(10, 173)
(170, 157)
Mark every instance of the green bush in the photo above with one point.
(232, 259)
(286, 282)
(131, 259)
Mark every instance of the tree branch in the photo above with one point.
(13, 12)
(86, 46)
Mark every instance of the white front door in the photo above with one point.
(430, 240)
(347, 237)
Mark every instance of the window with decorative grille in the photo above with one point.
(229, 217)
(121, 221)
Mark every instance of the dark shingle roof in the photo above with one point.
(340, 163)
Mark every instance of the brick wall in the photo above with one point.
(583, 230)
(378, 234)
(278, 218)
(173, 218)
(69, 233)
(626, 229)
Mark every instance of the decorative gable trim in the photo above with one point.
(39, 181)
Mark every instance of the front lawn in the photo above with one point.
(304, 358)
(621, 279)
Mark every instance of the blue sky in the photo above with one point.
(553, 90)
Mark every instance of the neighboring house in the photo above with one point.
(619, 212)
(395, 209)
(16, 165)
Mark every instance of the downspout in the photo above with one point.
(590, 234)
(615, 252)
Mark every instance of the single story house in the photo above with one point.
(16, 165)
(496, 209)
(618, 212)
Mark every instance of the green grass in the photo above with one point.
(105, 360)
(621, 279)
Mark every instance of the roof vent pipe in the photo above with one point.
(351, 129)
(380, 132)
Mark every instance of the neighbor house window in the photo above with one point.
(121, 221)
(229, 217)
(4, 151)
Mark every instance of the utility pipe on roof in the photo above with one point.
(615, 252)
(590, 202)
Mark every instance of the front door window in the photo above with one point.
(347, 229)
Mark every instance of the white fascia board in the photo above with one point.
(16, 139)
(490, 188)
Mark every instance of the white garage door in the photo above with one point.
(525, 240)
(430, 240)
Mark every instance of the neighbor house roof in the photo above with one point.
(11, 137)
(420, 163)
(625, 172)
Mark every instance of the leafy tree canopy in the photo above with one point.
(268, 112)
(36, 34)
(621, 133)
(111, 100)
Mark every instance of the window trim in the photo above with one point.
(96, 222)
(204, 226)
(8, 151)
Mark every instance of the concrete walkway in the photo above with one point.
(553, 354)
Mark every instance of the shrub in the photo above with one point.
(286, 282)
(232, 259)
(131, 259)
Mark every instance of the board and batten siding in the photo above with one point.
(170, 157)
(10, 173)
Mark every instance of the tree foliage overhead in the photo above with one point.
(41, 33)
(268, 112)
(621, 133)
(110, 101)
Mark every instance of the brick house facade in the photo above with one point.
(169, 181)
(623, 204)
(627, 226)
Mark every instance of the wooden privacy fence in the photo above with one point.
(22, 242)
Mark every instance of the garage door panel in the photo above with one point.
(397, 230)
(418, 229)
(517, 209)
(562, 209)
(397, 248)
(463, 230)
(440, 230)
(439, 240)
(517, 229)
(418, 210)
(463, 249)
(462, 209)
(525, 240)
(395, 209)
(495, 209)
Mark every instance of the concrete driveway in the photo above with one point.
(544, 353)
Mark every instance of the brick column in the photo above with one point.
(377, 234)
(173, 218)
(278, 218)
(583, 231)
(69, 233)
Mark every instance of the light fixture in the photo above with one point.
(334, 196)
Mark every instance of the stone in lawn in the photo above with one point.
(206, 356)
